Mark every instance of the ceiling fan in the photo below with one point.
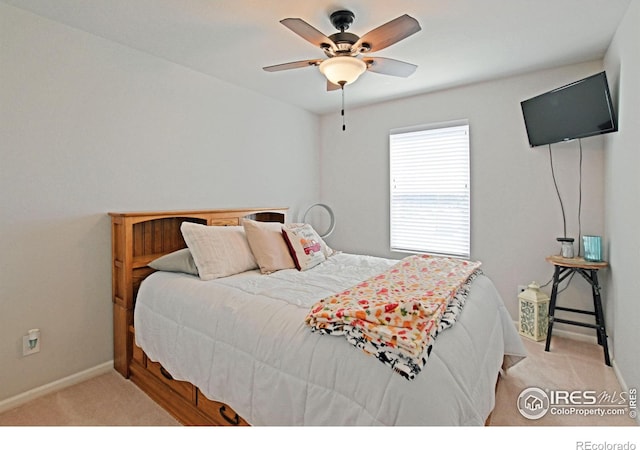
(347, 53)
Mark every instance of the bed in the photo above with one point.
(239, 348)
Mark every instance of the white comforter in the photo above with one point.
(243, 341)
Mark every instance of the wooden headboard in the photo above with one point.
(137, 238)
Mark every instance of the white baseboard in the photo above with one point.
(623, 385)
(559, 331)
(590, 338)
(76, 378)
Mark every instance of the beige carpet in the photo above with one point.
(110, 400)
(569, 365)
(107, 399)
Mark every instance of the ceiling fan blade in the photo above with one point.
(293, 65)
(306, 31)
(389, 33)
(388, 66)
(331, 86)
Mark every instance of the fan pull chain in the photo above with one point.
(344, 127)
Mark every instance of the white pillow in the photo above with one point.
(268, 245)
(305, 245)
(218, 251)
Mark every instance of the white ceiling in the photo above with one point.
(461, 42)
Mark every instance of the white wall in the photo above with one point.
(89, 126)
(516, 216)
(622, 193)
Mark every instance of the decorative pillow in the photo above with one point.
(178, 261)
(328, 251)
(268, 245)
(304, 244)
(218, 251)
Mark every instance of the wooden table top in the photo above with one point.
(578, 262)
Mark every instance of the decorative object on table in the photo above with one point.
(533, 312)
(566, 251)
(592, 248)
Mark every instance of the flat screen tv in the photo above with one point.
(577, 110)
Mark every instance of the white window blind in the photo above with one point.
(430, 190)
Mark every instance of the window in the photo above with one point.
(430, 194)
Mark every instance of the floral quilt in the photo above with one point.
(396, 315)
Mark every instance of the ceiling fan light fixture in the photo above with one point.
(342, 70)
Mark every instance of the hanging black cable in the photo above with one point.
(564, 220)
(580, 200)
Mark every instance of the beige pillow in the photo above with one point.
(178, 261)
(268, 245)
(218, 251)
(304, 244)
